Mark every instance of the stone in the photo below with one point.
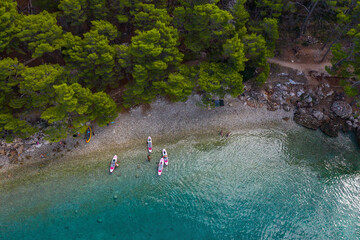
(318, 115)
(299, 93)
(286, 107)
(272, 106)
(331, 92)
(20, 149)
(308, 99)
(331, 128)
(2, 151)
(341, 109)
(307, 120)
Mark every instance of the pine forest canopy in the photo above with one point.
(61, 58)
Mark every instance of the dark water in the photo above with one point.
(258, 184)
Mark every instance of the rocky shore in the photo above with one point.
(314, 106)
(311, 105)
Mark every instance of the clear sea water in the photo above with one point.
(260, 183)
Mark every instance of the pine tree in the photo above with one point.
(74, 11)
(203, 26)
(9, 23)
(37, 84)
(92, 58)
(40, 33)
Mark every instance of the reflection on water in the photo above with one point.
(258, 183)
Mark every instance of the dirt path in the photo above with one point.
(306, 68)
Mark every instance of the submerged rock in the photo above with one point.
(331, 128)
(307, 120)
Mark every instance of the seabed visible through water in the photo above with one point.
(260, 183)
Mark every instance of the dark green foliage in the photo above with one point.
(9, 23)
(104, 28)
(154, 54)
(74, 11)
(97, 9)
(9, 70)
(271, 34)
(147, 16)
(351, 91)
(48, 5)
(233, 51)
(256, 52)
(40, 33)
(37, 84)
(92, 58)
(346, 61)
(76, 105)
(203, 26)
(11, 126)
(219, 79)
(269, 8)
(241, 16)
(179, 85)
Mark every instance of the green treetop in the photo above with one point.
(92, 58)
(76, 105)
(269, 8)
(241, 16)
(37, 84)
(146, 17)
(346, 61)
(9, 25)
(218, 79)
(257, 52)
(233, 52)
(9, 80)
(74, 11)
(41, 33)
(97, 9)
(154, 54)
(179, 85)
(203, 26)
(104, 28)
(11, 126)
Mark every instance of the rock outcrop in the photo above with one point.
(307, 120)
(331, 128)
(341, 109)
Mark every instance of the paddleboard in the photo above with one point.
(113, 163)
(161, 166)
(165, 156)
(149, 144)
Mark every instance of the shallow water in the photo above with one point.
(260, 183)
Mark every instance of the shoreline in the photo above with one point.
(162, 120)
(286, 96)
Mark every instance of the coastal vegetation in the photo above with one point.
(61, 60)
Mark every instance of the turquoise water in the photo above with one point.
(262, 183)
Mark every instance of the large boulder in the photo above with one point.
(331, 128)
(341, 109)
(307, 120)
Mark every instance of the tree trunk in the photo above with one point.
(303, 26)
(323, 58)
